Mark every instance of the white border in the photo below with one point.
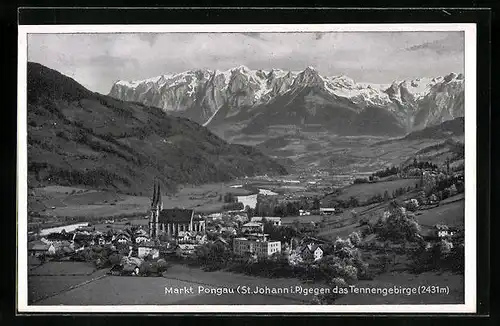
(470, 169)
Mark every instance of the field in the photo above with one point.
(116, 290)
(58, 268)
(451, 214)
(366, 190)
(57, 201)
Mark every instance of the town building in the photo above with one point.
(39, 248)
(276, 221)
(171, 221)
(148, 248)
(311, 251)
(252, 227)
(257, 245)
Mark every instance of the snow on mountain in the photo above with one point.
(201, 95)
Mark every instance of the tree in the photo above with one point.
(316, 203)
(353, 201)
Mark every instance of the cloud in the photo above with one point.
(98, 60)
(148, 37)
(451, 44)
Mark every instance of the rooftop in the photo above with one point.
(176, 215)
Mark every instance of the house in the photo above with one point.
(326, 211)
(141, 238)
(276, 221)
(433, 199)
(187, 249)
(116, 270)
(215, 216)
(311, 251)
(38, 248)
(171, 221)
(148, 248)
(255, 245)
(229, 230)
(82, 238)
(443, 231)
(170, 250)
(130, 269)
(122, 238)
(63, 247)
(55, 237)
(99, 239)
(184, 236)
(243, 218)
(252, 227)
(304, 212)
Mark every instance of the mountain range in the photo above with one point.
(255, 100)
(80, 138)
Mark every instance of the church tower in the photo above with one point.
(156, 207)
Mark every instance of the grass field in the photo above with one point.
(59, 201)
(366, 190)
(452, 214)
(56, 268)
(116, 290)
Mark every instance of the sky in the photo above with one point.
(98, 60)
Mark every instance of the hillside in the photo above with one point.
(80, 138)
(450, 128)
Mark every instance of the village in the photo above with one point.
(303, 242)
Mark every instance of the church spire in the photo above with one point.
(153, 201)
(159, 201)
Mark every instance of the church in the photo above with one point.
(171, 221)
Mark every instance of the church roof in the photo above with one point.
(176, 215)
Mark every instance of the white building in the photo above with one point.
(258, 246)
(273, 219)
(326, 211)
(148, 248)
(304, 212)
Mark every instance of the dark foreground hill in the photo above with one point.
(80, 138)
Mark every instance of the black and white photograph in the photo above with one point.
(247, 168)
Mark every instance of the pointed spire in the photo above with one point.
(159, 202)
(153, 202)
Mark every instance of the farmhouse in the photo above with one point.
(171, 221)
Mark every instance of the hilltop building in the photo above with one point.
(171, 221)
